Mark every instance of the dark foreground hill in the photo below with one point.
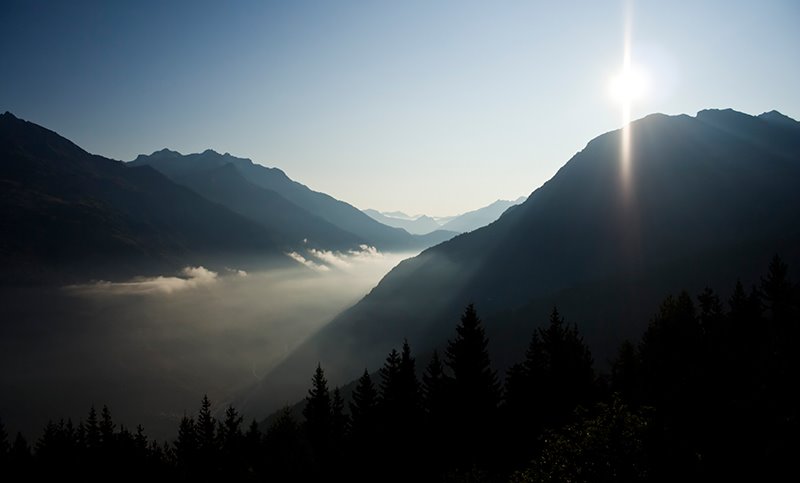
(68, 214)
(707, 199)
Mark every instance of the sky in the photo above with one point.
(434, 107)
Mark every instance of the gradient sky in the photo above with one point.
(422, 106)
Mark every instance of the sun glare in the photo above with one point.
(629, 85)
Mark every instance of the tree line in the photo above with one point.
(708, 392)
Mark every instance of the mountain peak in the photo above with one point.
(211, 151)
(8, 115)
(778, 117)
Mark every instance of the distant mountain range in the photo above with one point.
(704, 200)
(66, 214)
(423, 224)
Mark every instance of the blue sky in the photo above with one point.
(421, 106)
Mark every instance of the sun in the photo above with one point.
(629, 85)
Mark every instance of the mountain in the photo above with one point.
(65, 213)
(472, 220)
(416, 226)
(420, 225)
(291, 225)
(338, 213)
(703, 200)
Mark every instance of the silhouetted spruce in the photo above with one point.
(106, 428)
(543, 391)
(434, 389)
(92, 431)
(340, 422)
(363, 410)
(408, 386)
(390, 387)
(186, 446)
(475, 391)
(206, 426)
(317, 412)
(231, 445)
(389, 406)
(399, 410)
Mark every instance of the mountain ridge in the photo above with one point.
(339, 213)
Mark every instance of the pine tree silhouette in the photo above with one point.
(365, 458)
(340, 422)
(363, 410)
(475, 391)
(186, 447)
(317, 412)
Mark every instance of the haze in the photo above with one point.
(149, 347)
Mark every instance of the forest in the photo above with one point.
(709, 391)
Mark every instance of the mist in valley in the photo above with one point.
(150, 348)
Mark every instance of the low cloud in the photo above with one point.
(308, 263)
(192, 277)
(326, 259)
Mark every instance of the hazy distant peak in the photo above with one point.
(8, 115)
(778, 117)
(168, 152)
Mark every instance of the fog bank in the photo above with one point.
(151, 347)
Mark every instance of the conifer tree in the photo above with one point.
(363, 409)
(340, 421)
(230, 430)
(390, 383)
(474, 381)
(367, 457)
(317, 412)
(476, 392)
(92, 431)
(106, 427)
(434, 382)
(409, 388)
(186, 445)
(206, 426)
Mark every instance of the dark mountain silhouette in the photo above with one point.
(344, 216)
(67, 213)
(472, 220)
(709, 198)
(420, 225)
(292, 225)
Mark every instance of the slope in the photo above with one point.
(704, 199)
(472, 220)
